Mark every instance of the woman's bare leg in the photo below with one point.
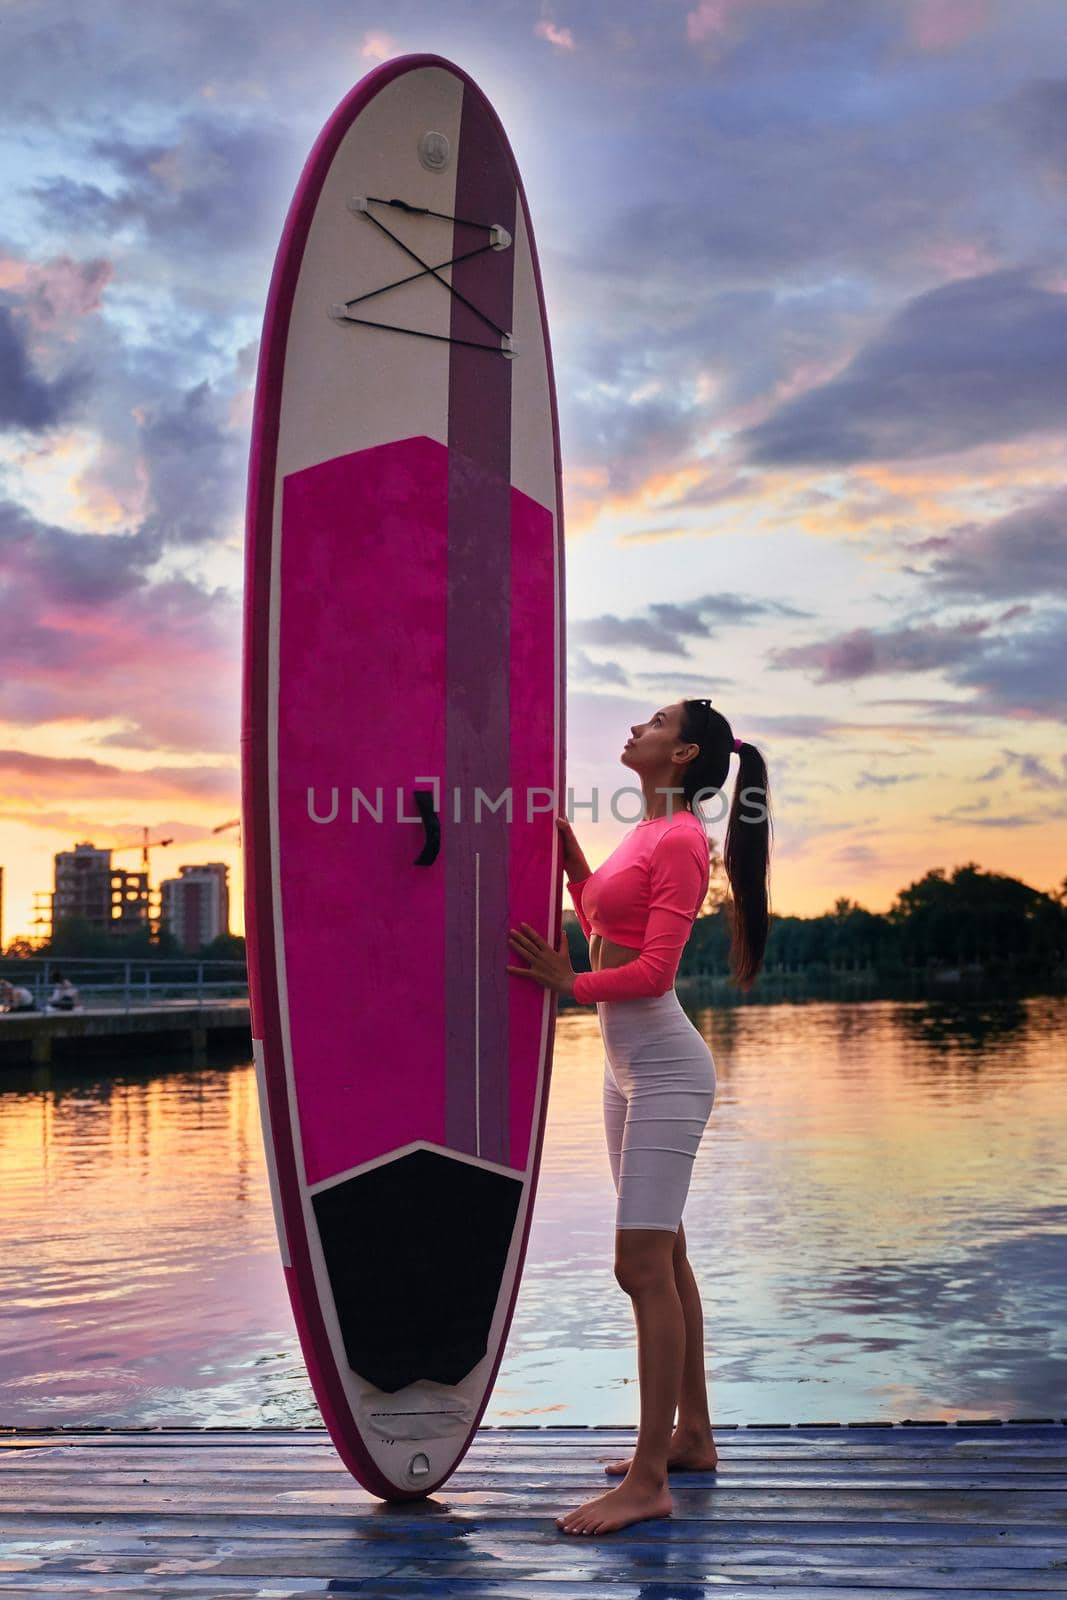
(694, 1419)
(644, 1270)
(692, 1446)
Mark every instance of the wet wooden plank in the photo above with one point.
(1049, 1442)
(557, 1431)
(638, 1560)
(498, 1441)
(420, 1530)
(241, 1493)
(498, 1587)
(44, 1482)
(950, 1453)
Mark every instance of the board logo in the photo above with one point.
(434, 151)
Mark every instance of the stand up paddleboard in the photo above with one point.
(403, 674)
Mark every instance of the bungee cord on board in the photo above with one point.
(500, 239)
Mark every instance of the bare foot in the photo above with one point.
(630, 1502)
(686, 1454)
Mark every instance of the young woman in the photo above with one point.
(637, 911)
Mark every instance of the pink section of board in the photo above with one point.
(364, 537)
(532, 761)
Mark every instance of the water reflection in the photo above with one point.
(975, 1026)
(876, 1221)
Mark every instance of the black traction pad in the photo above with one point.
(415, 1250)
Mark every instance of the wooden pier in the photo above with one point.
(43, 1037)
(919, 1510)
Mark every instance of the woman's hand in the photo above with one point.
(549, 967)
(574, 862)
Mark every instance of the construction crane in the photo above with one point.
(144, 846)
(150, 844)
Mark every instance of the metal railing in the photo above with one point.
(127, 980)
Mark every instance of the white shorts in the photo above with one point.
(659, 1089)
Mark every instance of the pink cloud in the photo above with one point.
(562, 37)
(377, 47)
(88, 637)
(944, 24)
(955, 257)
(111, 835)
(25, 776)
(53, 293)
(712, 17)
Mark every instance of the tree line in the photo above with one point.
(964, 919)
(77, 936)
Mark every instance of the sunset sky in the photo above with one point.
(807, 285)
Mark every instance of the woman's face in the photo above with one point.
(652, 744)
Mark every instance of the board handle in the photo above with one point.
(432, 823)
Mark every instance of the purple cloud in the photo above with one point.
(970, 363)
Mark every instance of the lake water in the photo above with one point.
(876, 1221)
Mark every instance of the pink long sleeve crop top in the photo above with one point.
(645, 896)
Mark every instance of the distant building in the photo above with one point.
(196, 904)
(82, 885)
(109, 898)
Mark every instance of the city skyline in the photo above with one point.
(193, 905)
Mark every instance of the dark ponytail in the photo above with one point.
(746, 851)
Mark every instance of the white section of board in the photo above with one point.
(532, 447)
(347, 387)
(272, 1160)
